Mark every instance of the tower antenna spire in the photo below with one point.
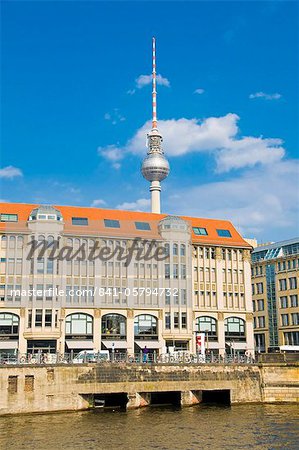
(154, 92)
(155, 167)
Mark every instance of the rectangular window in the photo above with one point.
(260, 305)
(253, 306)
(29, 383)
(81, 221)
(176, 320)
(39, 292)
(9, 217)
(49, 292)
(259, 288)
(145, 226)
(224, 233)
(200, 231)
(48, 318)
(293, 283)
(12, 384)
(38, 317)
(295, 318)
(175, 271)
(111, 223)
(261, 322)
(183, 271)
(183, 296)
(167, 270)
(184, 319)
(284, 302)
(294, 301)
(40, 265)
(284, 320)
(283, 284)
(29, 318)
(167, 321)
(50, 265)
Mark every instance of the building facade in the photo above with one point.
(80, 290)
(275, 277)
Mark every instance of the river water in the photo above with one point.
(200, 427)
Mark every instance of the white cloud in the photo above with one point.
(144, 80)
(216, 135)
(262, 202)
(114, 117)
(112, 152)
(199, 91)
(275, 96)
(142, 204)
(10, 172)
(98, 202)
(131, 91)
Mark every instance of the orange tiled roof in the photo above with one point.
(127, 218)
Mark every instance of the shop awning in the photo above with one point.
(82, 345)
(117, 344)
(152, 345)
(4, 345)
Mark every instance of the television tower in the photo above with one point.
(155, 166)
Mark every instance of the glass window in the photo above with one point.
(40, 265)
(200, 231)
(284, 320)
(79, 324)
(284, 302)
(9, 324)
(176, 322)
(111, 223)
(293, 283)
(175, 249)
(283, 284)
(146, 326)
(184, 320)
(183, 249)
(224, 233)
(260, 305)
(167, 249)
(294, 301)
(114, 325)
(38, 317)
(167, 270)
(4, 241)
(175, 271)
(142, 226)
(295, 318)
(183, 271)
(83, 221)
(9, 217)
(167, 321)
(207, 325)
(234, 328)
(48, 318)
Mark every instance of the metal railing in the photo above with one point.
(116, 358)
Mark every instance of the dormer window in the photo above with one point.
(45, 212)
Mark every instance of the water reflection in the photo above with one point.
(205, 427)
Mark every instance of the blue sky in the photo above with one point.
(75, 110)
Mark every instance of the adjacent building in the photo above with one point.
(275, 277)
(71, 300)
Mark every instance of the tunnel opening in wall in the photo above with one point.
(172, 398)
(220, 397)
(116, 400)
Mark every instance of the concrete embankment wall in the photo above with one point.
(26, 389)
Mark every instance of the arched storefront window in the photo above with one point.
(207, 325)
(113, 326)
(4, 241)
(234, 329)
(146, 327)
(79, 324)
(9, 325)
